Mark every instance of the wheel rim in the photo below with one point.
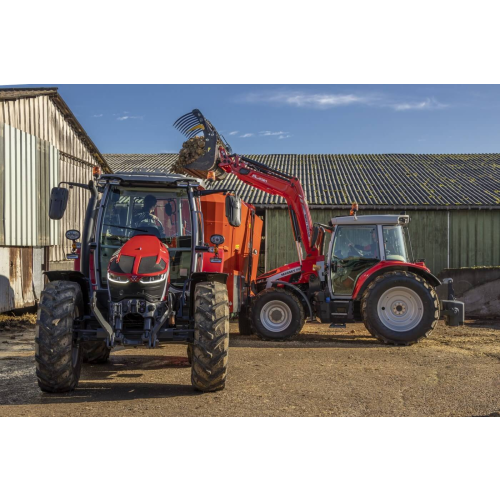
(276, 316)
(400, 309)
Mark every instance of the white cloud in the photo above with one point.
(234, 132)
(268, 133)
(284, 136)
(301, 99)
(123, 118)
(98, 116)
(429, 103)
(244, 136)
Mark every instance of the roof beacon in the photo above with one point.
(354, 210)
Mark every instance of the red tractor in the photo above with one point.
(365, 272)
(145, 275)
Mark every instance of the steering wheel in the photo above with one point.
(151, 229)
(353, 252)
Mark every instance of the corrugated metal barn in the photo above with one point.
(41, 144)
(453, 200)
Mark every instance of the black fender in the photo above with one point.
(76, 277)
(297, 291)
(429, 277)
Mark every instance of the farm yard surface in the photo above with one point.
(323, 372)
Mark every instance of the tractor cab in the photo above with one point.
(138, 205)
(360, 243)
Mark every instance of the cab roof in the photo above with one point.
(148, 178)
(388, 220)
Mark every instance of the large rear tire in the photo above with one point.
(211, 337)
(96, 353)
(400, 308)
(277, 315)
(58, 356)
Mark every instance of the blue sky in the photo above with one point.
(263, 119)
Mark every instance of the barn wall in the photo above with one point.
(40, 117)
(39, 120)
(21, 280)
(474, 236)
(29, 169)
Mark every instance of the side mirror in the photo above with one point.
(58, 203)
(233, 210)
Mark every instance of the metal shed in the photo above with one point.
(41, 144)
(453, 200)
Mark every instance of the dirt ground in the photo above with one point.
(324, 372)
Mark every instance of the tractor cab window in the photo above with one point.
(165, 214)
(355, 249)
(394, 243)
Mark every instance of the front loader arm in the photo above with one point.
(274, 182)
(216, 160)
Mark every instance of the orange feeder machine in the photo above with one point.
(241, 245)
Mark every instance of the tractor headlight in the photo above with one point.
(153, 279)
(117, 279)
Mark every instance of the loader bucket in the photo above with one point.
(198, 155)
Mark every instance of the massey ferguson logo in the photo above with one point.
(134, 279)
(260, 178)
(285, 273)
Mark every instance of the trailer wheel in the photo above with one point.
(244, 322)
(400, 308)
(95, 352)
(277, 314)
(58, 356)
(211, 337)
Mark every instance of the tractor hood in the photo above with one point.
(140, 269)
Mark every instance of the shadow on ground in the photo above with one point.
(307, 341)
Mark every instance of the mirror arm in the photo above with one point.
(77, 184)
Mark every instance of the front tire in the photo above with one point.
(96, 353)
(211, 337)
(58, 357)
(277, 315)
(400, 308)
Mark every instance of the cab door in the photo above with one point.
(353, 250)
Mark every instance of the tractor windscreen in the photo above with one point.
(394, 244)
(165, 214)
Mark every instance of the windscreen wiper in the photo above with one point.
(125, 227)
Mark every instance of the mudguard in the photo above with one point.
(387, 266)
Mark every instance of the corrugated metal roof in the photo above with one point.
(12, 94)
(20, 93)
(371, 180)
(145, 162)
